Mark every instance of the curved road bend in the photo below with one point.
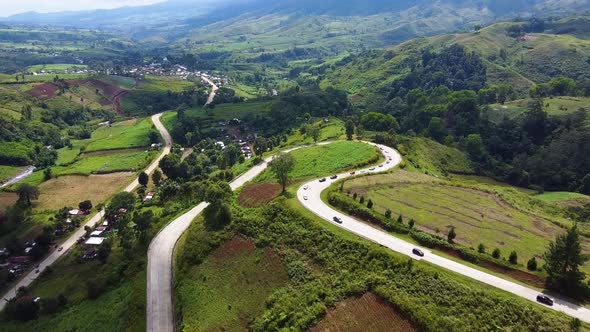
(160, 313)
(214, 89)
(71, 241)
(315, 204)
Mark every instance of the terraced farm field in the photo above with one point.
(478, 215)
(121, 135)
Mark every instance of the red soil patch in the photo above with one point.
(44, 91)
(235, 247)
(258, 194)
(364, 314)
(111, 92)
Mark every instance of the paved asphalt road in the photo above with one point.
(310, 198)
(71, 241)
(160, 307)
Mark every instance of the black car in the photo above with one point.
(334, 177)
(323, 180)
(417, 252)
(545, 299)
(337, 220)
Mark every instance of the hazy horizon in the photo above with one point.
(50, 6)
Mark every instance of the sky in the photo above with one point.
(11, 7)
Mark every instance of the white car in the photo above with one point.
(305, 198)
(305, 187)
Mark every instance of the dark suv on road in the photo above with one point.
(323, 180)
(542, 298)
(337, 220)
(417, 252)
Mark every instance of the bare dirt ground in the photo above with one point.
(368, 313)
(70, 190)
(7, 199)
(257, 194)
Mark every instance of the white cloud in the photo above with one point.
(9, 7)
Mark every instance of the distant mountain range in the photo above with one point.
(176, 19)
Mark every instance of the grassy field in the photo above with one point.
(163, 84)
(559, 196)
(57, 67)
(555, 106)
(121, 135)
(214, 297)
(108, 162)
(430, 157)
(72, 189)
(482, 214)
(323, 160)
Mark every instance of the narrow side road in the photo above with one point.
(310, 198)
(71, 241)
(214, 89)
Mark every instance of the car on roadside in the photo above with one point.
(542, 298)
(387, 162)
(305, 187)
(418, 252)
(323, 180)
(372, 169)
(381, 165)
(352, 173)
(37, 271)
(305, 198)
(333, 177)
(60, 248)
(337, 220)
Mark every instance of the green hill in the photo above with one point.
(510, 56)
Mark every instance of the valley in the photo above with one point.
(217, 165)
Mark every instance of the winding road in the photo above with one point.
(160, 303)
(71, 241)
(310, 199)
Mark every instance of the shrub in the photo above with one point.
(411, 223)
(370, 204)
(362, 200)
(400, 219)
(513, 258)
(481, 248)
(496, 253)
(532, 264)
(451, 235)
(354, 196)
(388, 214)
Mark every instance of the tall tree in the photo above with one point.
(27, 194)
(349, 129)
(157, 177)
(143, 179)
(314, 132)
(281, 165)
(563, 260)
(143, 221)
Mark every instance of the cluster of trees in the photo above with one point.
(159, 101)
(198, 166)
(452, 67)
(561, 86)
(295, 107)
